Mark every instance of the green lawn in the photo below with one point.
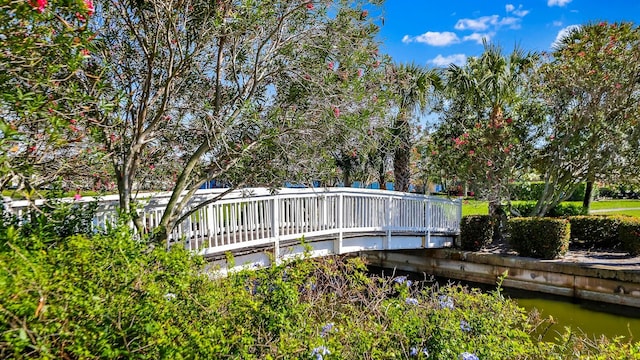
(614, 204)
(475, 207)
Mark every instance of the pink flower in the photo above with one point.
(152, 167)
(38, 5)
(471, 152)
(489, 163)
(310, 6)
(359, 72)
(77, 196)
(618, 86)
(364, 14)
(509, 121)
(85, 53)
(602, 23)
(581, 54)
(90, 8)
(336, 111)
(330, 65)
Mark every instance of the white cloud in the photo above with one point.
(433, 38)
(441, 61)
(558, 2)
(562, 33)
(519, 12)
(479, 37)
(483, 23)
(479, 24)
(511, 22)
(557, 23)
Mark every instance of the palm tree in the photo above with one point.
(411, 84)
(490, 85)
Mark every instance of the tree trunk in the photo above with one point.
(346, 178)
(588, 194)
(401, 170)
(381, 179)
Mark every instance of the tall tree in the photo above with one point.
(411, 85)
(591, 86)
(485, 127)
(44, 71)
(233, 90)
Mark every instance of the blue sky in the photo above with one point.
(436, 33)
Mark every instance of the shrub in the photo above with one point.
(567, 209)
(476, 231)
(532, 191)
(528, 190)
(596, 231)
(539, 237)
(524, 208)
(620, 191)
(112, 298)
(629, 233)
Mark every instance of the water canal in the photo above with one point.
(593, 318)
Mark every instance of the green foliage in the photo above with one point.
(629, 232)
(566, 209)
(484, 136)
(596, 231)
(589, 87)
(620, 191)
(476, 231)
(532, 190)
(44, 69)
(539, 237)
(525, 208)
(111, 297)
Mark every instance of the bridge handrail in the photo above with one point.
(252, 217)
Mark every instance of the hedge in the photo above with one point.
(543, 238)
(629, 234)
(533, 191)
(597, 231)
(620, 191)
(563, 209)
(476, 231)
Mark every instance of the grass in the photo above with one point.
(614, 204)
(475, 207)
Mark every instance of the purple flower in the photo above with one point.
(414, 351)
(320, 351)
(445, 302)
(468, 356)
(411, 301)
(326, 329)
(400, 280)
(464, 326)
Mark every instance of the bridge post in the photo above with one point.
(388, 220)
(275, 228)
(428, 223)
(337, 246)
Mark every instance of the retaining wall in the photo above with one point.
(597, 280)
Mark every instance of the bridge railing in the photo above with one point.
(255, 216)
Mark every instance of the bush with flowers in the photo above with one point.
(112, 297)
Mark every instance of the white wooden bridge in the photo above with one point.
(258, 226)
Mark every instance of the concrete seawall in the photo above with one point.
(600, 278)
